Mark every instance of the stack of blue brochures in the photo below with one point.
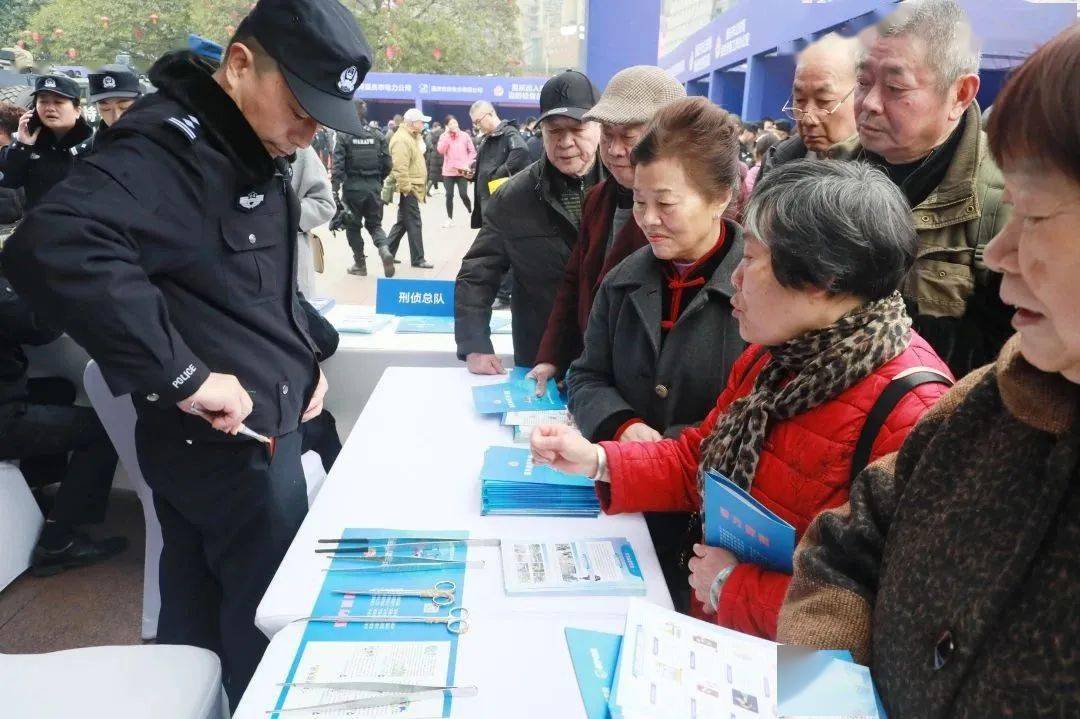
(512, 485)
(745, 527)
(422, 324)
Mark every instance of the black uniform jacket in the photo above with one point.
(170, 253)
(39, 167)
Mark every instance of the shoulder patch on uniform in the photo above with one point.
(188, 125)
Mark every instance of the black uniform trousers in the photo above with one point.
(42, 431)
(228, 512)
(366, 208)
(408, 221)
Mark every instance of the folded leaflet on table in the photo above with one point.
(674, 665)
(594, 655)
(606, 566)
(517, 394)
(739, 523)
(512, 484)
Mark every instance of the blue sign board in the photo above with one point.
(453, 88)
(749, 27)
(431, 298)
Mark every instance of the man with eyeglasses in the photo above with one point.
(502, 153)
(821, 102)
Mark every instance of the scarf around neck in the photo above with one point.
(803, 373)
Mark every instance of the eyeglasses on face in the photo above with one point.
(797, 113)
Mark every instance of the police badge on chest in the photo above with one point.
(251, 201)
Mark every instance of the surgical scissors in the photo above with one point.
(456, 620)
(441, 595)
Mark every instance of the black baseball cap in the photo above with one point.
(569, 94)
(321, 52)
(61, 85)
(113, 81)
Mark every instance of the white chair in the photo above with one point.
(159, 681)
(117, 414)
(20, 523)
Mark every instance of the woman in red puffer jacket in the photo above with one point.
(826, 245)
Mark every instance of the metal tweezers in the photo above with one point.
(392, 695)
(381, 542)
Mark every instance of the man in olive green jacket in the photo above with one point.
(919, 122)
(409, 175)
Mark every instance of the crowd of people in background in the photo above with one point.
(864, 314)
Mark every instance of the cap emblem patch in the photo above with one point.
(49, 82)
(347, 82)
(109, 82)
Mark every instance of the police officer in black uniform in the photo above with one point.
(170, 255)
(361, 164)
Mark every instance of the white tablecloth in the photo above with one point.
(361, 359)
(412, 462)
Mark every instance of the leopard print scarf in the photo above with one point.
(803, 373)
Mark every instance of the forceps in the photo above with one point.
(389, 695)
(441, 595)
(456, 620)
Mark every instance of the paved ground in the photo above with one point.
(103, 604)
(443, 247)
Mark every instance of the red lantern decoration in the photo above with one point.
(57, 32)
(391, 52)
(71, 53)
(105, 21)
(153, 18)
(437, 54)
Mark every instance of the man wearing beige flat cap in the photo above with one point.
(608, 233)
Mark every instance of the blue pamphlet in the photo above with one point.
(515, 464)
(594, 655)
(405, 297)
(742, 525)
(516, 395)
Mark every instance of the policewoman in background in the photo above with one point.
(48, 142)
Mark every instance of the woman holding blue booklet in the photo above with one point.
(826, 245)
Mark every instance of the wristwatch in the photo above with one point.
(718, 585)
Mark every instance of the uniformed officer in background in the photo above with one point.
(170, 255)
(361, 164)
(113, 90)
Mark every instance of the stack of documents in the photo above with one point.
(422, 324)
(523, 423)
(512, 485)
(742, 525)
(577, 567)
(356, 319)
(671, 665)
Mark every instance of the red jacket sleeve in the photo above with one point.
(750, 601)
(663, 476)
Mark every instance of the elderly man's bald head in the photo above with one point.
(821, 92)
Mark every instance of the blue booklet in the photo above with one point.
(515, 464)
(594, 655)
(419, 324)
(518, 394)
(742, 525)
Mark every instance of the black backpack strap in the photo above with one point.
(900, 385)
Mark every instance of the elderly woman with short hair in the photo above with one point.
(954, 571)
(825, 247)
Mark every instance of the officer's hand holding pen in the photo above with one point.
(222, 401)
